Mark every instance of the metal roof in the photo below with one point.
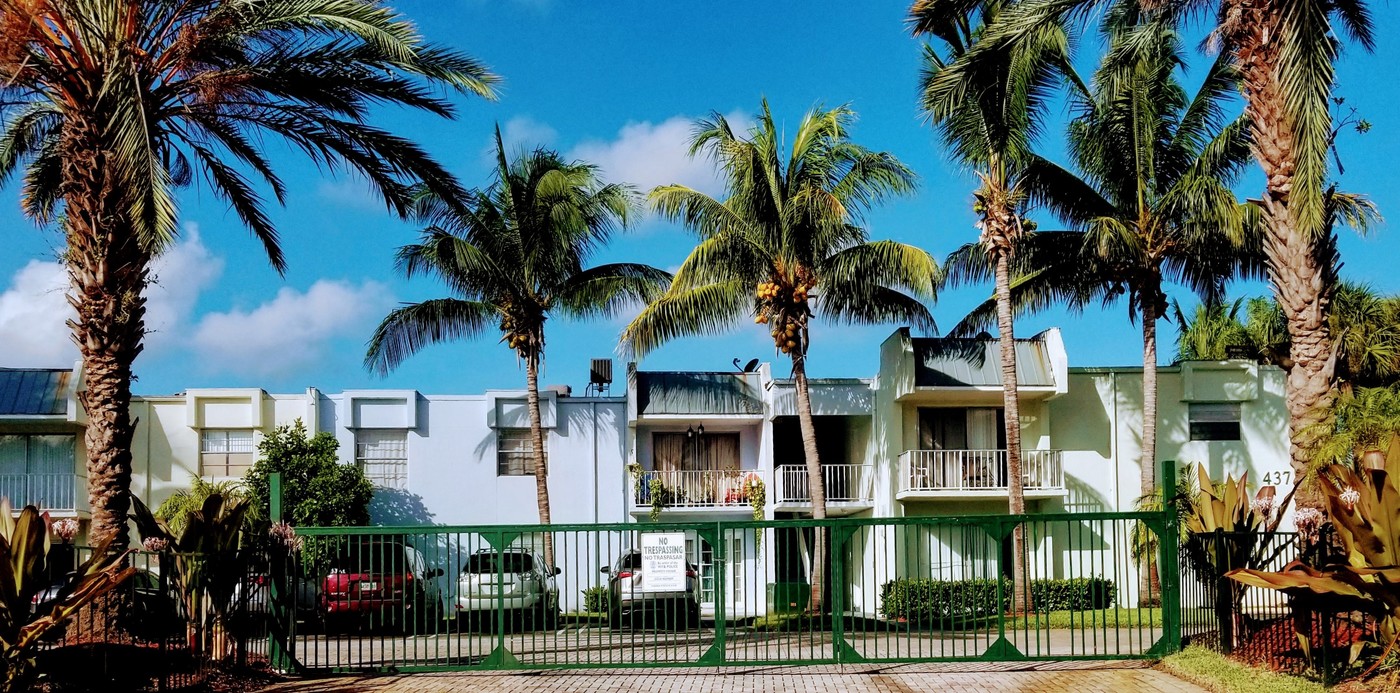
(698, 393)
(940, 362)
(34, 391)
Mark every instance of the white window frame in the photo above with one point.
(515, 453)
(226, 452)
(382, 454)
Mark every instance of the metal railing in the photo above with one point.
(844, 483)
(978, 470)
(716, 488)
(46, 491)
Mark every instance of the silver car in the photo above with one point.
(519, 581)
(629, 598)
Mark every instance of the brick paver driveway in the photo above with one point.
(1040, 677)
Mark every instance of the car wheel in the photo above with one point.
(546, 615)
(692, 616)
(615, 619)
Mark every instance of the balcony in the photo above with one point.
(973, 474)
(59, 494)
(714, 489)
(849, 488)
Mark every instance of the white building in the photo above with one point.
(922, 438)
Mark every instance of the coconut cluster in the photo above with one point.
(516, 336)
(785, 309)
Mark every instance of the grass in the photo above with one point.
(1092, 620)
(1215, 672)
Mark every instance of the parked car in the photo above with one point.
(629, 599)
(517, 580)
(380, 581)
(160, 613)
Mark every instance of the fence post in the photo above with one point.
(1170, 561)
(281, 643)
(1224, 603)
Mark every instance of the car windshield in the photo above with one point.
(371, 558)
(483, 563)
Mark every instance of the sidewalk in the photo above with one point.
(1036, 677)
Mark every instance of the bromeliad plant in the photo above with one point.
(207, 558)
(24, 573)
(1364, 507)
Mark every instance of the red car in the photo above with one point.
(381, 582)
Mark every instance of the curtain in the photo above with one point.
(668, 451)
(13, 455)
(982, 429)
(51, 455)
(719, 451)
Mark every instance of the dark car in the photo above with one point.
(160, 611)
(381, 582)
(629, 599)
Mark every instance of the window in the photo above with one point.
(225, 452)
(692, 452)
(1215, 421)
(515, 454)
(38, 469)
(383, 455)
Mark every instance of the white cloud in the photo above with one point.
(524, 131)
(351, 190)
(292, 330)
(34, 310)
(33, 313)
(177, 279)
(647, 154)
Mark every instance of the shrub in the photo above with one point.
(925, 601)
(1074, 594)
(595, 599)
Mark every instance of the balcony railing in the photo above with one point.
(717, 488)
(844, 483)
(47, 491)
(978, 470)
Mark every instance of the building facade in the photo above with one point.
(923, 437)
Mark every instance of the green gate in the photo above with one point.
(909, 589)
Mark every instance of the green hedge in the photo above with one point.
(595, 599)
(925, 601)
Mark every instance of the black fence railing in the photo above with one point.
(1257, 625)
(150, 634)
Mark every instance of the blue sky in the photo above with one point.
(617, 83)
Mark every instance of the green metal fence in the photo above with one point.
(719, 593)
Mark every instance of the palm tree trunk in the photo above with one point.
(1302, 278)
(532, 384)
(816, 484)
(1021, 598)
(107, 272)
(1149, 581)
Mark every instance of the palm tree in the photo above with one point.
(785, 246)
(1152, 203)
(108, 105)
(513, 255)
(990, 131)
(1284, 52)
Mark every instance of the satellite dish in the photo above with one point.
(751, 366)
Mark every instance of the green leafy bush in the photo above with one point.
(925, 601)
(1074, 594)
(595, 599)
(317, 490)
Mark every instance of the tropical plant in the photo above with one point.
(109, 105)
(176, 509)
(1365, 326)
(1284, 52)
(1362, 429)
(207, 559)
(990, 129)
(1229, 529)
(24, 548)
(515, 254)
(317, 490)
(1149, 202)
(1364, 509)
(785, 246)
